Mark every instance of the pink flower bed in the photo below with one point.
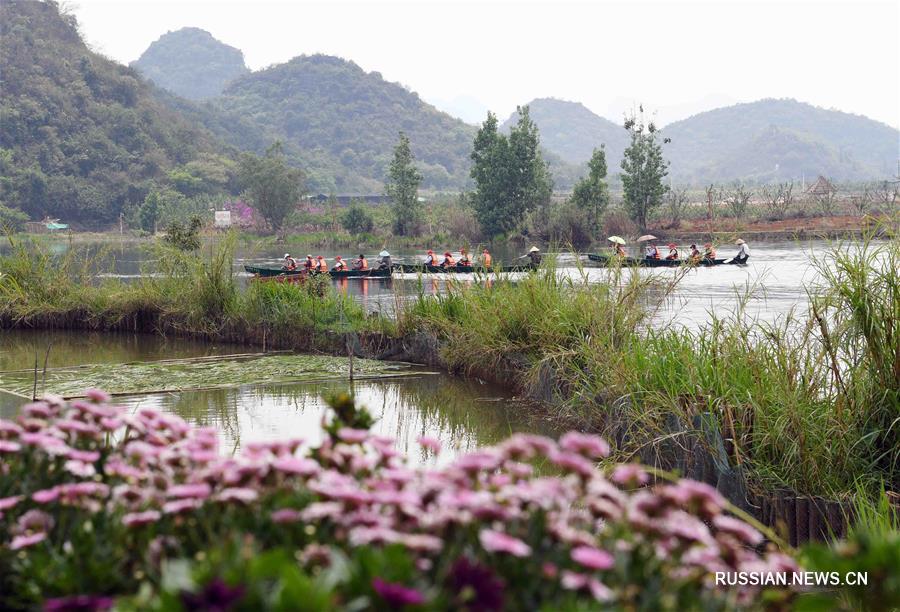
(160, 485)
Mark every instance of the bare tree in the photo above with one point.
(676, 200)
(713, 195)
(826, 200)
(778, 199)
(862, 201)
(738, 199)
(887, 193)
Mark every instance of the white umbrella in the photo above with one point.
(616, 239)
(646, 238)
(384, 254)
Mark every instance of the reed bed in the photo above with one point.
(808, 402)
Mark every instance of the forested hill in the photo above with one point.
(82, 137)
(342, 123)
(779, 139)
(572, 132)
(191, 63)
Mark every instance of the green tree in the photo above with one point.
(591, 193)
(11, 219)
(271, 185)
(403, 189)
(149, 212)
(357, 220)
(510, 175)
(643, 170)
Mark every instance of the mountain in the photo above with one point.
(341, 123)
(82, 137)
(779, 139)
(572, 132)
(191, 63)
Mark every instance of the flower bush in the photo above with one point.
(99, 506)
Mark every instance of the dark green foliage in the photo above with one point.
(403, 187)
(185, 236)
(191, 63)
(272, 186)
(340, 124)
(11, 219)
(510, 175)
(148, 213)
(591, 193)
(572, 131)
(357, 219)
(643, 170)
(86, 138)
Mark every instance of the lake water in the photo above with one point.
(463, 414)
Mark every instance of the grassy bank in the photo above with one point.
(196, 294)
(810, 402)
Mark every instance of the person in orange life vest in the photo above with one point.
(709, 252)
(619, 250)
(652, 251)
(448, 262)
(464, 259)
(309, 264)
(429, 258)
(323, 265)
(339, 265)
(361, 263)
(486, 259)
(673, 251)
(695, 253)
(289, 262)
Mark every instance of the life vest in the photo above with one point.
(673, 254)
(309, 264)
(340, 265)
(486, 260)
(363, 264)
(465, 260)
(710, 253)
(323, 266)
(448, 261)
(429, 261)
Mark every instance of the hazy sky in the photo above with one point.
(677, 57)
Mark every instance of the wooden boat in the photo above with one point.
(422, 268)
(263, 272)
(659, 263)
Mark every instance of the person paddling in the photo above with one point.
(385, 263)
(695, 253)
(534, 254)
(429, 258)
(652, 251)
(709, 252)
(309, 264)
(339, 264)
(448, 262)
(673, 252)
(464, 259)
(743, 253)
(486, 259)
(361, 263)
(289, 262)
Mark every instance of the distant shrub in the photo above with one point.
(357, 220)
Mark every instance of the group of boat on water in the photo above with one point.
(465, 263)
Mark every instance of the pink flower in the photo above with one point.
(46, 496)
(200, 490)
(353, 436)
(591, 446)
(8, 502)
(38, 410)
(630, 475)
(497, 541)
(135, 519)
(96, 395)
(81, 455)
(241, 494)
(181, 505)
(292, 465)
(79, 468)
(592, 558)
(9, 447)
(285, 515)
(34, 521)
(573, 462)
(24, 541)
(430, 443)
(738, 528)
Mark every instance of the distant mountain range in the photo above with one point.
(82, 135)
